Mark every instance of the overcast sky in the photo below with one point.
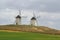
(48, 10)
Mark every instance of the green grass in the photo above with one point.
(27, 36)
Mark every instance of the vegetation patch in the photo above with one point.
(29, 28)
(27, 36)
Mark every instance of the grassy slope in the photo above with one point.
(29, 28)
(27, 36)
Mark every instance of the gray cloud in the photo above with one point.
(42, 5)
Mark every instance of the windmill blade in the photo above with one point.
(38, 17)
(20, 12)
(24, 16)
(34, 14)
(21, 15)
(14, 22)
(36, 22)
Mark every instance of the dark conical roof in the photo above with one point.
(18, 16)
(33, 18)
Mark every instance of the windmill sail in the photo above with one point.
(19, 12)
(34, 14)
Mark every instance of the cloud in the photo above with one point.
(41, 5)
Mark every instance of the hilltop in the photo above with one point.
(29, 28)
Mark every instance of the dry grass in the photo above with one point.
(8, 31)
(28, 28)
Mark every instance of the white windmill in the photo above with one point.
(18, 18)
(34, 20)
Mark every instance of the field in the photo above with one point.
(27, 36)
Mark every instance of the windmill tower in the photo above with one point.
(34, 20)
(18, 18)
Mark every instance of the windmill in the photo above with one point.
(18, 18)
(34, 20)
